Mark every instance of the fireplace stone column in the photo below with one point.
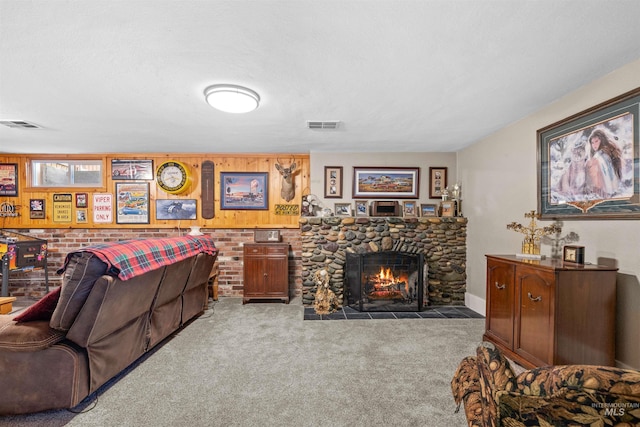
(442, 240)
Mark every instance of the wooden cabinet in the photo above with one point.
(551, 313)
(266, 271)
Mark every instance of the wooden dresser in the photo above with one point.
(266, 271)
(549, 312)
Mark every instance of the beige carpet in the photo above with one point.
(261, 364)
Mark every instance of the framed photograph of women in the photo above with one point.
(588, 163)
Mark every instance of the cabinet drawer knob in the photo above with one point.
(499, 286)
(536, 299)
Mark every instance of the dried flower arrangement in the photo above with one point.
(326, 301)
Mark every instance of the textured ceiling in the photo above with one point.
(401, 76)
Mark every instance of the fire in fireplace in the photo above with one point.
(385, 281)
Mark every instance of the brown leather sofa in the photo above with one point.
(100, 325)
(563, 395)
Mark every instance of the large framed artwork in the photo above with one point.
(132, 201)
(588, 163)
(385, 183)
(244, 190)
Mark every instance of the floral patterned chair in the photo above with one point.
(550, 396)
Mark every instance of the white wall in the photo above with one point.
(498, 175)
(348, 160)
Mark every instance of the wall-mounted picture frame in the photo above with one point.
(132, 203)
(409, 209)
(342, 209)
(37, 209)
(588, 163)
(447, 208)
(131, 169)
(168, 209)
(82, 200)
(244, 190)
(428, 209)
(362, 208)
(81, 216)
(385, 183)
(437, 181)
(9, 179)
(333, 182)
(102, 208)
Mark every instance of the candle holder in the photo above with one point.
(533, 234)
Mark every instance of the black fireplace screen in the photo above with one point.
(385, 281)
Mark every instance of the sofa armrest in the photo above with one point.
(574, 394)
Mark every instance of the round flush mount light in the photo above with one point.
(232, 98)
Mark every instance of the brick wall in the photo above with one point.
(228, 241)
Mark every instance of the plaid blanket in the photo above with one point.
(130, 258)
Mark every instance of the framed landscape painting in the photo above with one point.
(588, 163)
(384, 183)
(244, 190)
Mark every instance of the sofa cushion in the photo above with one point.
(81, 272)
(41, 310)
(28, 336)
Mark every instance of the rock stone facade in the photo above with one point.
(442, 240)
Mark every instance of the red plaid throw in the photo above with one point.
(130, 258)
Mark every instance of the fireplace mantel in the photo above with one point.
(442, 241)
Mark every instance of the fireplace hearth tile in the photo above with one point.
(437, 312)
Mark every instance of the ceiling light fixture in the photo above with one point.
(232, 98)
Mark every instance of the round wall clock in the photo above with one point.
(173, 177)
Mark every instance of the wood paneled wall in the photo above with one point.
(222, 218)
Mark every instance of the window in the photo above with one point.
(66, 173)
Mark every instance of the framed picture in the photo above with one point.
(132, 203)
(447, 208)
(176, 209)
(131, 169)
(9, 179)
(333, 182)
(437, 181)
(81, 216)
(102, 208)
(384, 183)
(428, 209)
(37, 209)
(409, 209)
(82, 200)
(362, 208)
(343, 209)
(588, 163)
(244, 190)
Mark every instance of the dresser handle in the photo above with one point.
(536, 299)
(500, 286)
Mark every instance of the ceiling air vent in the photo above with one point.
(21, 124)
(332, 124)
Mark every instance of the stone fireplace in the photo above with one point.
(441, 241)
(384, 281)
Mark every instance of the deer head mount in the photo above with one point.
(288, 188)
